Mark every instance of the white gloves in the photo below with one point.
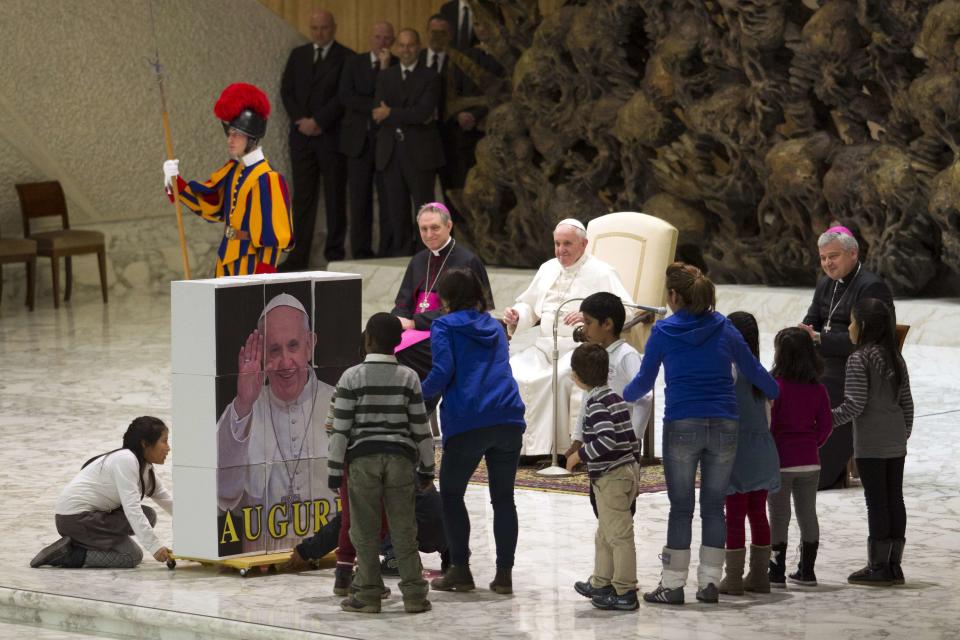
(171, 169)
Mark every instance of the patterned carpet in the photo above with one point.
(651, 478)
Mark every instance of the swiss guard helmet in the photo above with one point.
(245, 108)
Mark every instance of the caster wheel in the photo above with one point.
(171, 564)
(243, 573)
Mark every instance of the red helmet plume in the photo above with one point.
(239, 96)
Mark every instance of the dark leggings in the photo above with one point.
(882, 480)
(500, 446)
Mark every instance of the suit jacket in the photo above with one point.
(450, 11)
(358, 84)
(311, 91)
(413, 107)
(443, 70)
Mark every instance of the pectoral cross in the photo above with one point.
(288, 501)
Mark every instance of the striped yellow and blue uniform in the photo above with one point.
(254, 199)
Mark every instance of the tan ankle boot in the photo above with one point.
(732, 583)
(758, 578)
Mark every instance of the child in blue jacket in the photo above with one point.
(481, 418)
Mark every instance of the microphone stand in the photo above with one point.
(554, 470)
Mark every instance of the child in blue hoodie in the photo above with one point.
(697, 347)
(481, 418)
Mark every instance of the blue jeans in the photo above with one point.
(712, 444)
(500, 446)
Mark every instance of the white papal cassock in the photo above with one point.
(533, 367)
(276, 455)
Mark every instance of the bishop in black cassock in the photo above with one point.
(828, 319)
(441, 254)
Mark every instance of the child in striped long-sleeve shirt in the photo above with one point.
(877, 398)
(380, 429)
(612, 453)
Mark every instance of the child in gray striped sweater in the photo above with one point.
(877, 399)
(612, 453)
(380, 429)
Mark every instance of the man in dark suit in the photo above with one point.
(457, 123)
(458, 14)
(309, 89)
(358, 140)
(409, 151)
(435, 57)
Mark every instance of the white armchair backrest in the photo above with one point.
(640, 247)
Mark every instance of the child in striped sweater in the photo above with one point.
(877, 398)
(380, 429)
(612, 453)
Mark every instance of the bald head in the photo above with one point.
(323, 28)
(408, 46)
(381, 36)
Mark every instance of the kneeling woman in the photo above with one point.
(100, 508)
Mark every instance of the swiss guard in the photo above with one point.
(246, 195)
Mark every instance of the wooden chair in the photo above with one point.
(902, 331)
(42, 199)
(23, 250)
(640, 247)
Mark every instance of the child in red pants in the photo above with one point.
(756, 471)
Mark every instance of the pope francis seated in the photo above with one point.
(571, 274)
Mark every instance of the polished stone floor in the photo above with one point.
(73, 378)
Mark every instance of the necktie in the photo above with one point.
(464, 32)
(316, 54)
(433, 61)
(406, 73)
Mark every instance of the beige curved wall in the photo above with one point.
(79, 103)
(354, 17)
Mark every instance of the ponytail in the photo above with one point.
(697, 293)
(143, 430)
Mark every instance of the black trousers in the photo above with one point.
(838, 449)
(312, 162)
(405, 181)
(500, 447)
(361, 178)
(882, 480)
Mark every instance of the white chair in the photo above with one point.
(640, 247)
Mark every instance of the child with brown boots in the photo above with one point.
(756, 471)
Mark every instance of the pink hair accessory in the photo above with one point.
(841, 230)
(435, 205)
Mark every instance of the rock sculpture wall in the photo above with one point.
(748, 125)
